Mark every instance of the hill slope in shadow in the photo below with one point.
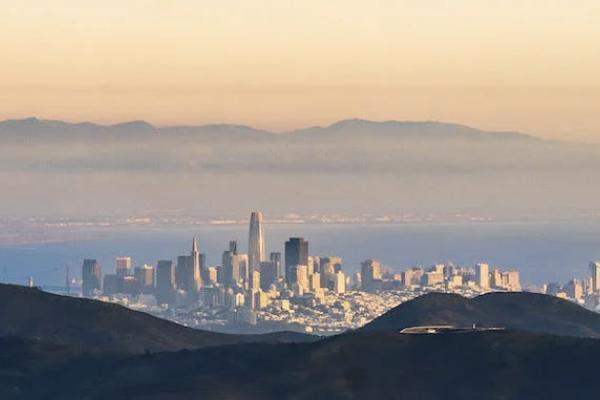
(91, 325)
(513, 310)
(476, 365)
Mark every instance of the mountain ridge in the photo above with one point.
(27, 125)
(32, 314)
(478, 172)
(524, 311)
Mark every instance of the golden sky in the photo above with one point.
(511, 65)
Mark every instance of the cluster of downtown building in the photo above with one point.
(294, 291)
(585, 292)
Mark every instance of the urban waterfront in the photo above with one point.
(331, 296)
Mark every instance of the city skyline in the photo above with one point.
(349, 199)
(237, 297)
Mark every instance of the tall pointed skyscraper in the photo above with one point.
(196, 272)
(256, 242)
(187, 272)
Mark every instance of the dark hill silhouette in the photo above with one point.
(519, 311)
(485, 365)
(90, 325)
(49, 349)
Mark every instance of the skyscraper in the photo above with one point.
(188, 270)
(181, 271)
(91, 274)
(254, 281)
(595, 268)
(231, 268)
(256, 242)
(165, 282)
(328, 267)
(276, 258)
(299, 276)
(111, 284)
(296, 253)
(574, 289)
(482, 275)
(370, 271)
(269, 272)
(196, 258)
(340, 282)
(123, 265)
(203, 262)
(145, 277)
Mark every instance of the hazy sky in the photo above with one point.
(498, 64)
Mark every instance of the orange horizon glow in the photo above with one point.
(528, 66)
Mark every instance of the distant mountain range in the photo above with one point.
(68, 348)
(31, 127)
(376, 167)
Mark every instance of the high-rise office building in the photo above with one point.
(130, 285)
(256, 242)
(314, 281)
(211, 276)
(165, 282)
(145, 277)
(230, 268)
(244, 267)
(296, 253)
(511, 281)
(196, 264)
(370, 271)
(254, 281)
(226, 269)
(408, 278)
(328, 267)
(91, 274)
(187, 272)
(111, 284)
(203, 262)
(482, 275)
(310, 266)
(331, 264)
(233, 246)
(123, 266)
(299, 277)
(432, 278)
(496, 279)
(595, 269)
(269, 272)
(181, 271)
(276, 257)
(340, 282)
(574, 289)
